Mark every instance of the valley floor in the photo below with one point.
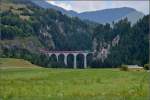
(69, 84)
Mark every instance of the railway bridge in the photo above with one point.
(66, 53)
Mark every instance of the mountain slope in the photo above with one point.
(99, 16)
(110, 15)
(133, 17)
(48, 27)
(46, 5)
(25, 29)
(122, 44)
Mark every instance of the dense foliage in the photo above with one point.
(133, 44)
(56, 31)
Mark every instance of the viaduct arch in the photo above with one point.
(66, 53)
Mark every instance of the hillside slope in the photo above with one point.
(26, 29)
(7, 63)
(42, 28)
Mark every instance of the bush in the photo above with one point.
(147, 66)
(124, 68)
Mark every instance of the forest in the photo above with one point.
(49, 29)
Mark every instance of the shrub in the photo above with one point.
(124, 68)
(147, 66)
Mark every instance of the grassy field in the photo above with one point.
(27, 83)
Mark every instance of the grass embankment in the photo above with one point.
(11, 63)
(70, 84)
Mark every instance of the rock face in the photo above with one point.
(115, 41)
(103, 49)
(46, 38)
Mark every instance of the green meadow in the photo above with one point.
(36, 83)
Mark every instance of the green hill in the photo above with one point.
(7, 63)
